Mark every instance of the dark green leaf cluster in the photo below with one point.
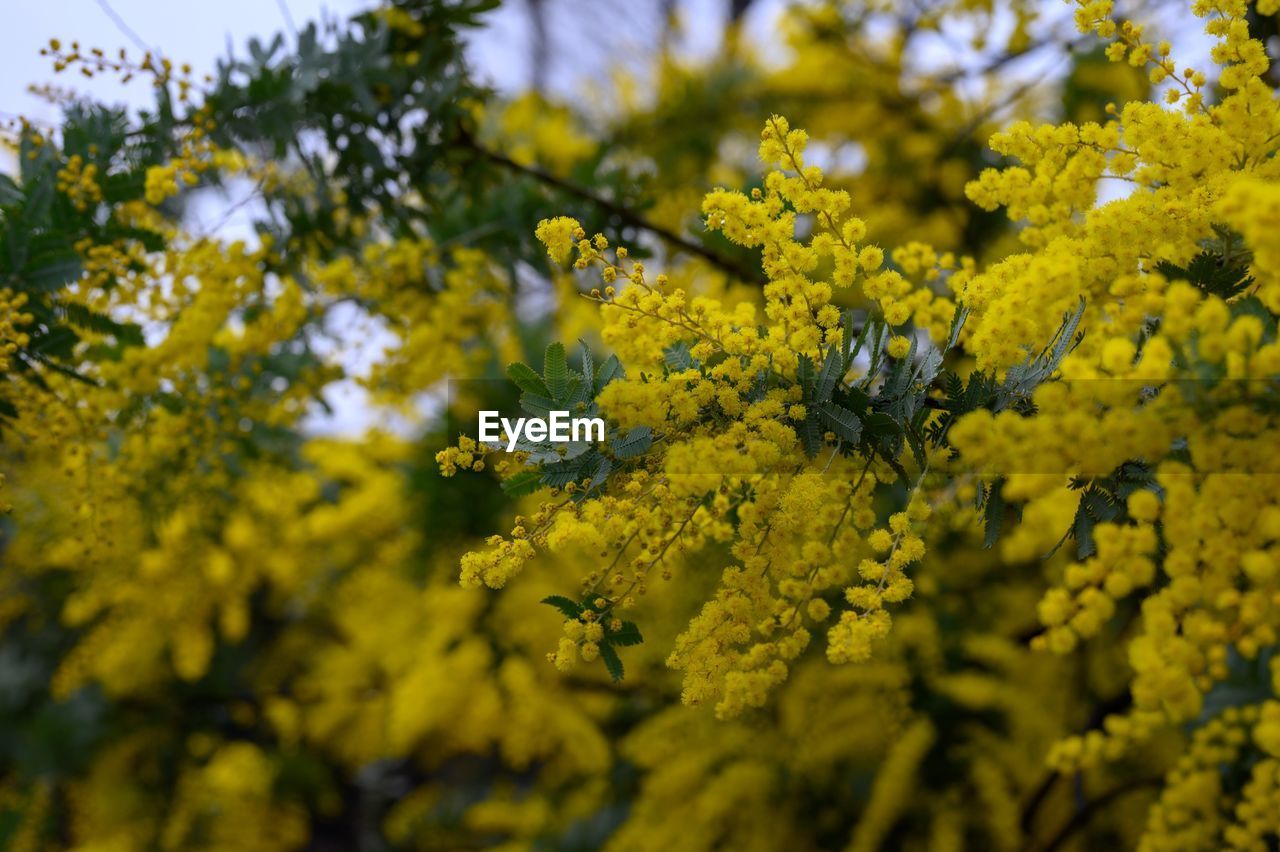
(41, 226)
(1220, 269)
(384, 121)
(1103, 500)
(876, 414)
(984, 391)
(370, 111)
(561, 388)
(626, 634)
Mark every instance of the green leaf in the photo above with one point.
(832, 370)
(57, 367)
(1021, 379)
(846, 336)
(58, 343)
(555, 371)
(806, 375)
(579, 391)
(1097, 505)
(957, 323)
(1212, 273)
(537, 405)
(840, 420)
(1082, 532)
(810, 434)
(870, 329)
(524, 482)
(612, 661)
(677, 357)
(1101, 505)
(929, 366)
(879, 424)
(568, 608)
(1066, 340)
(635, 443)
(588, 370)
(52, 270)
(916, 443)
(611, 369)
(78, 315)
(38, 183)
(527, 379)
(603, 468)
(900, 377)
(10, 192)
(876, 334)
(560, 474)
(628, 634)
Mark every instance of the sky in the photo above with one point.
(195, 31)
(202, 31)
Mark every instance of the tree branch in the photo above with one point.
(621, 211)
(1100, 711)
(1085, 812)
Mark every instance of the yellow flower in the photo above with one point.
(557, 235)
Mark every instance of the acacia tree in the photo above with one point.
(834, 575)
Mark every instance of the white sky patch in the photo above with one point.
(356, 341)
(196, 32)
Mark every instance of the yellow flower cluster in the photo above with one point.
(767, 218)
(183, 171)
(201, 549)
(559, 235)
(94, 61)
(1252, 207)
(535, 131)
(12, 319)
(79, 182)
(884, 581)
(1202, 173)
(1201, 807)
(721, 440)
(437, 323)
(1191, 812)
(1203, 532)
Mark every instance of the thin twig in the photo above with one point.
(1080, 818)
(288, 17)
(123, 26)
(621, 211)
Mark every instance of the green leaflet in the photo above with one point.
(833, 368)
(524, 482)
(628, 634)
(843, 422)
(612, 662)
(567, 607)
(635, 443)
(555, 371)
(611, 369)
(527, 379)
